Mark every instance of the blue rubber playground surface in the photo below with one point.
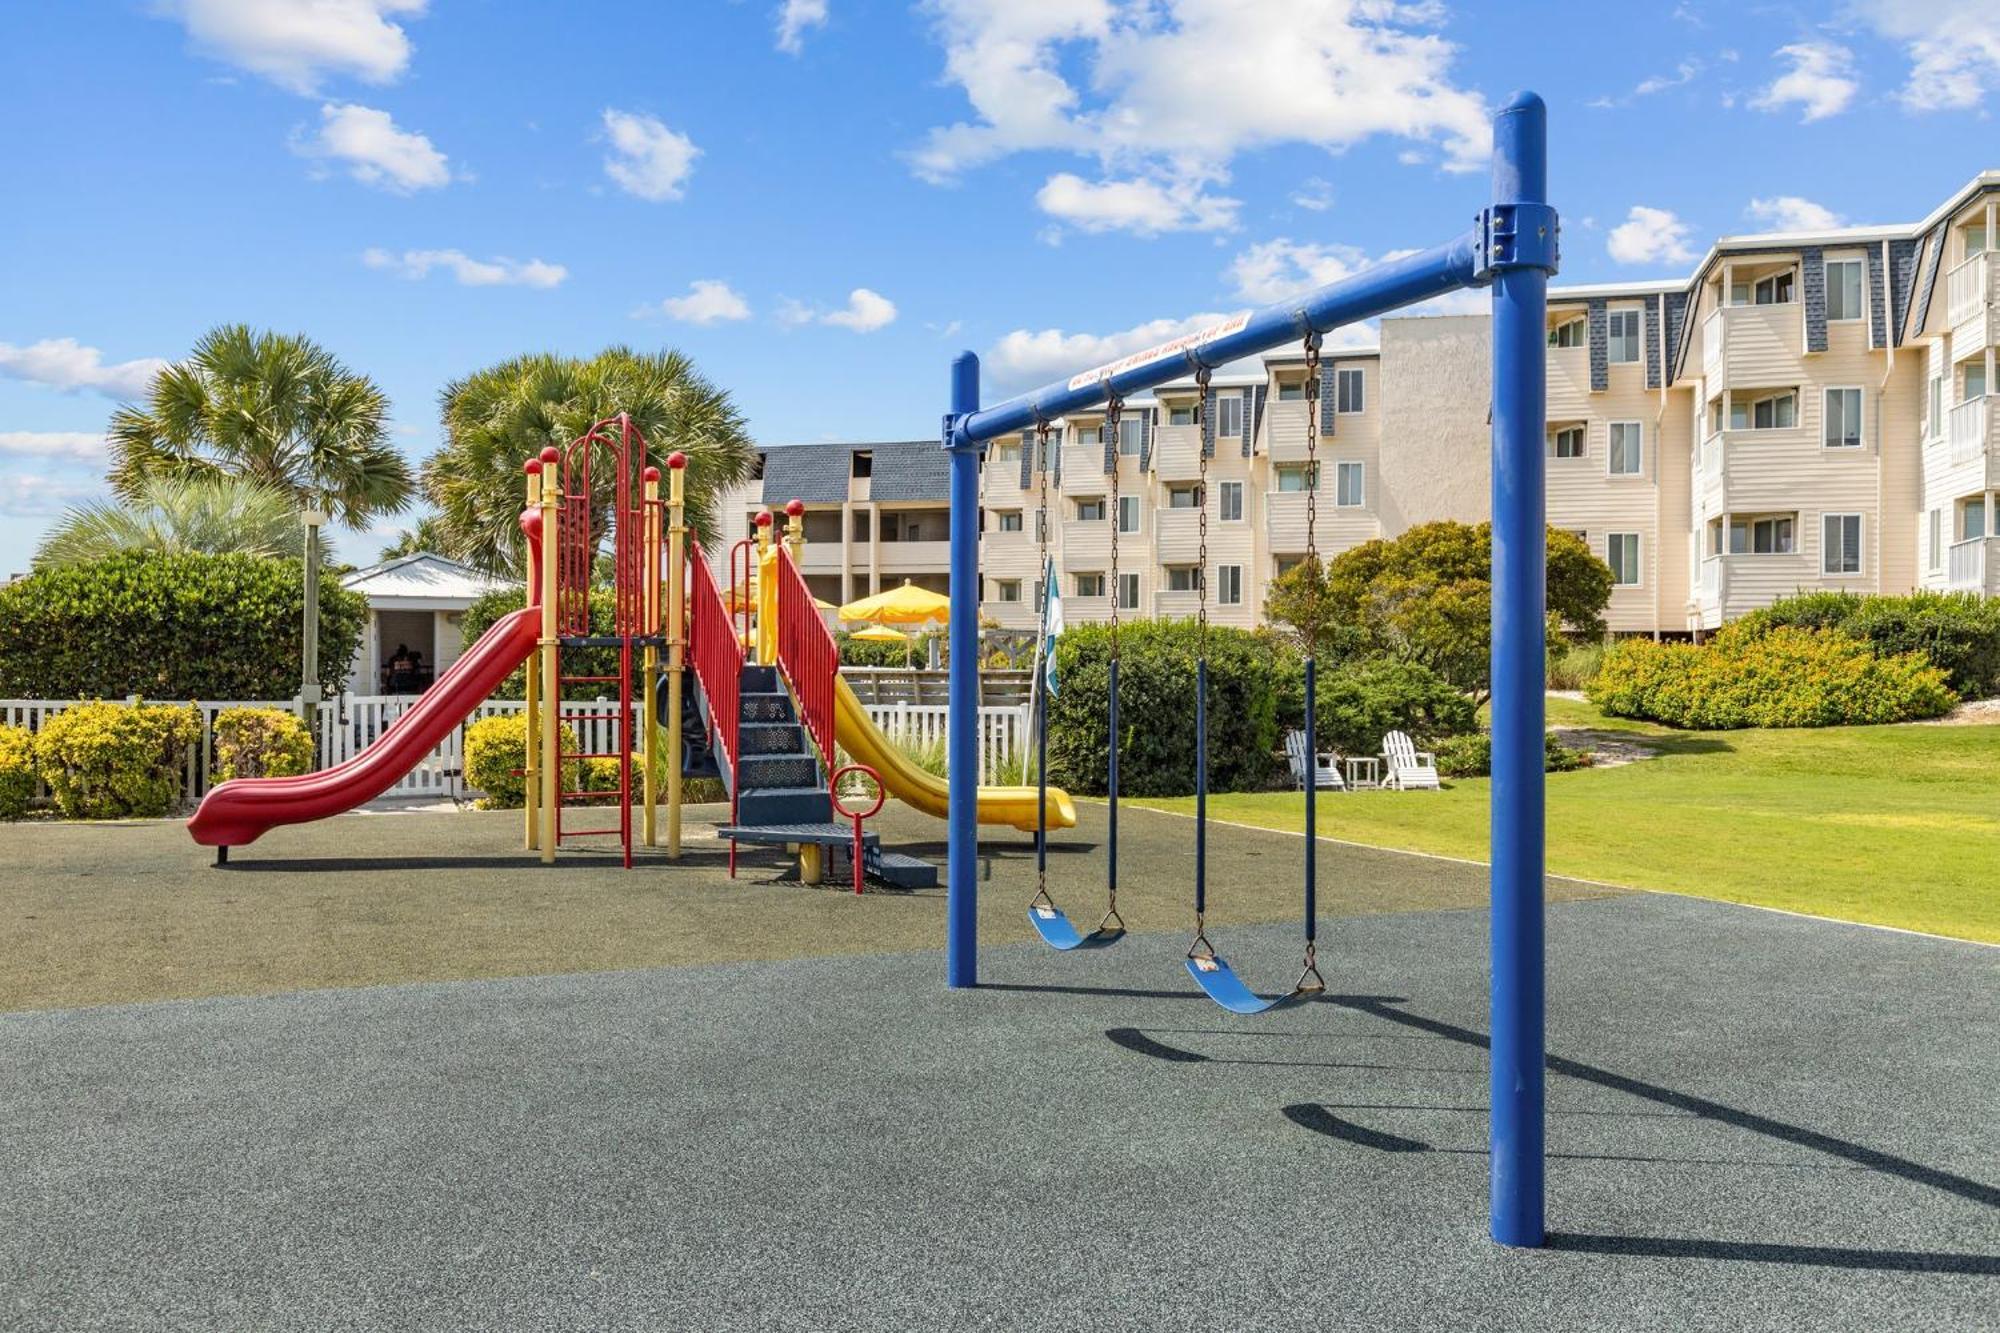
(1757, 1121)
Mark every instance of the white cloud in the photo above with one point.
(1315, 195)
(37, 495)
(708, 301)
(1821, 81)
(1144, 207)
(865, 312)
(496, 272)
(794, 18)
(1276, 270)
(1788, 212)
(1686, 72)
(1649, 235)
(1139, 88)
(648, 159)
(79, 445)
(1029, 355)
(297, 43)
(1953, 45)
(66, 364)
(375, 151)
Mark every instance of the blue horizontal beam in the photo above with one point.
(1400, 282)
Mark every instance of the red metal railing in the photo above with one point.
(717, 658)
(808, 655)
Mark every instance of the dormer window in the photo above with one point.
(864, 462)
(1180, 414)
(1772, 289)
(1571, 332)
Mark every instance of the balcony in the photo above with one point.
(1972, 432)
(1176, 453)
(1709, 476)
(1752, 345)
(1285, 430)
(1728, 586)
(1178, 534)
(1569, 383)
(1338, 528)
(1081, 464)
(1085, 545)
(906, 558)
(1765, 469)
(1970, 299)
(1970, 566)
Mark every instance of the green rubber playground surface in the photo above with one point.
(112, 913)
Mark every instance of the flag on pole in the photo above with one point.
(1052, 625)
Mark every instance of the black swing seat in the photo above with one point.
(1059, 932)
(1223, 986)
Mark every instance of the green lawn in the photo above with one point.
(1898, 826)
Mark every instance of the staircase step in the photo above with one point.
(784, 805)
(759, 772)
(782, 738)
(760, 679)
(905, 872)
(767, 707)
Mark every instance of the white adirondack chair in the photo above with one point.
(1324, 766)
(1405, 767)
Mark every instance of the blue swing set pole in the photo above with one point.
(962, 725)
(1520, 405)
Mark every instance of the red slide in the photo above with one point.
(241, 810)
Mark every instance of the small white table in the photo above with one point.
(1362, 771)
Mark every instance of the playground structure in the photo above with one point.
(1511, 248)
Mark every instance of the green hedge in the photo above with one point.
(260, 743)
(1361, 702)
(1156, 709)
(1780, 677)
(1471, 755)
(17, 771)
(113, 761)
(170, 626)
(1956, 632)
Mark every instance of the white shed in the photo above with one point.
(416, 603)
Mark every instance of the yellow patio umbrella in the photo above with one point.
(880, 634)
(907, 605)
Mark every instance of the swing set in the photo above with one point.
(1511, 248)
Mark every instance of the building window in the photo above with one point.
(1975, 380)
(1622, 337)
(1778, 411)
(1566, 442)
(1128, 592)
(1840, 544)
(1229, 501)
(1183, 497)
(1090, 511)
(1296, 477)
(1229, 416)
(1570, 333)
(1843, 289)
(1621, 552)
(1128, 434)
(1290, 390)
(1011, 520)
(1183, 578)
(1180, 414)
(1349, 488)
(1771, 535)
(1010, 590)
(1347, 391)
(1128, 513)
(1287, 563)
(1936, 561)
(1089, 585)
(1003, 455)
(1975, 239)
(1628, 449)
(1773, 290)
(1972, 518)
(1229, 585)
(1842, 429)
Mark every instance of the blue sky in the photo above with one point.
(822, 200)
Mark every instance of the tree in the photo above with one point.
(178, 516)
(1300, 604)
(423, 535)
(498, 418)
(1427, 596)
(272, 408)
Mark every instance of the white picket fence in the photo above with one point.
(352, 722)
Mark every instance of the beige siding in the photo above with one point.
(1436, 385)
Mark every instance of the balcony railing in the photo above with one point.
(1176, 453)
(1714, 335)
(1967, 428)
(1711, 458)
(1966, 564)
(1711, 576)
(1967, 289)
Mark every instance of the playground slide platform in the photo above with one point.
(243, 809)
(857, 733)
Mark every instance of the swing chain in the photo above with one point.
(1312, 387)
(1310, 981)
(1041, 462)
(1114, 408)
(1199, 948)
(1201, 378)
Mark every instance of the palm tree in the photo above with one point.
(273, 408)
(423, 535)
(497, 418)
(171, 515)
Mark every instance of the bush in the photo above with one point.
(866, 653)
(17, 771)
(1573, 666)
(1471, 755)
(170, 626)
(493, 606)
(496, 749)
(1956, 632)
(1781, 677)
(1360, 703)
(1156, 709)
(112, 761)
(260, 743)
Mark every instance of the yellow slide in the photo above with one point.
(857, 734)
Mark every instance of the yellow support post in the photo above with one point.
(551, 643)
(767, 596)
(676, 637)
(531, 791)
(649, 709)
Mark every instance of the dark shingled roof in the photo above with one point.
(819, 473)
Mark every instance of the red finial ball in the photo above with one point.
(551, 454)
(533, 468)
(795, 507)
(650, 474)
(677, 460)
(764, 519)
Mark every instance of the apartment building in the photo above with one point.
(1805, 411)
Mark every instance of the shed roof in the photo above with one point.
(423, 580)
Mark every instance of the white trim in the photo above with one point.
(1861, 411)
(1860, 569)
(1361, 378)
(1639, 472)
(1340, 465)
(1242, 510)
(1638, 558)
(1860, 261)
